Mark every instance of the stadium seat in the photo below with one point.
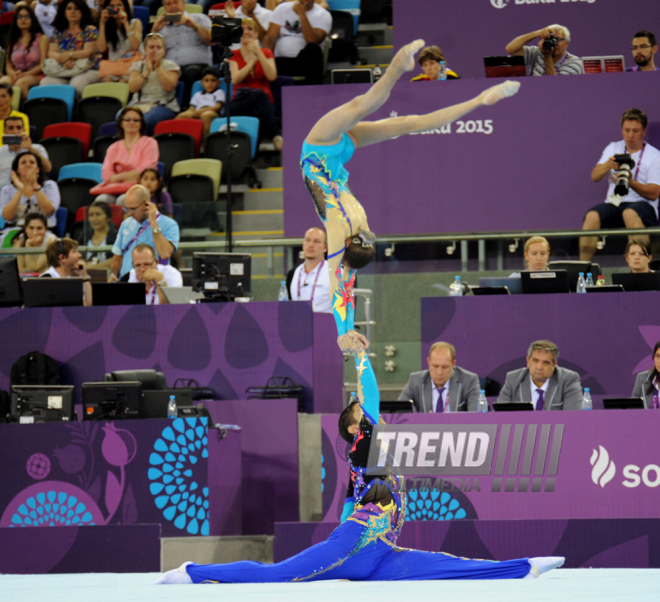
(190, 8)
(16, 98)
(195, 184)
(109, 128)
(211, 168)
(74, 129)
(197, 87)
(249, 125)
(97, 110)
(89, 171)
(192, 127)
(61, 215)
(62, 92)
(61, 151)
(74, 193)
(48, 104)
(101, 146)
(142, 13)
(118, 90)
(241, 153)
(173, 147)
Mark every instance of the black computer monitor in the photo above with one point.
(351, 76)
(112, 400)
(638, 282)
(52, 292)
(222, 276)
(10, 283)
(42, 403)
(396, 406)
(118, 293)
(544, 281)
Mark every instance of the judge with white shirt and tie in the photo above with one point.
(444, 387)
(310, 281)
(543, 383)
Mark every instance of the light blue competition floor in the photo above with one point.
(562, 584)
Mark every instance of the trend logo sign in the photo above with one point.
(603, 469)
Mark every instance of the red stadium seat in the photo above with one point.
(74, 129)
(192, 127)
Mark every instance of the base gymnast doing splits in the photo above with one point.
(331, 143)
(363, 547)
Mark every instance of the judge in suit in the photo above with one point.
(543, 383)
(444, 387)
(647, 383)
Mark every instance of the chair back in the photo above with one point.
(59, 91)
(211, 168)
(192, 127)
(73, 129)
(90, 171)
(118, 90)
(240, 123)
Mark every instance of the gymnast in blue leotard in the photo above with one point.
(331, 143)
(363, 547)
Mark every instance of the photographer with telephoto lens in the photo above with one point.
(550, 56)
(633, 167)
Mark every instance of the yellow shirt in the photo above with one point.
(23, 116)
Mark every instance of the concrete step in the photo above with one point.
(262, 198)
(259, 219)
(375, 55)
(215, 550)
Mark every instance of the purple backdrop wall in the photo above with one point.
(607, 543)
(589, 477)
(606, 338)
(225, 346)
(468, 30)
(532, 171)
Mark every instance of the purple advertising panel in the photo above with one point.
(555, 465)
(522, 164)
(606, 338)
(118, 473)
(227, 347)
(468, 30)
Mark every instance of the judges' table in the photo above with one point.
(606, 338)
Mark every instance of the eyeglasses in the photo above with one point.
(23, 16)
(131, 120)
(544, 347)
(132, 209)
(641, 47)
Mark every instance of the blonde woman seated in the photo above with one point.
(537, 255)
(34, 233)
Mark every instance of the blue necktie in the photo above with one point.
(539, 401)
(440, 406)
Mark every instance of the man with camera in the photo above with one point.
(16, 140)
(633, 167)
(644, 47)
(550, 56)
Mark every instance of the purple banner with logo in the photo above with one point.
(225, 346)
(524, 163)
(606, 338)
(468, 30)
(555, 465)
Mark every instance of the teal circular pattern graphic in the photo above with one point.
(174, 482)
(425, 504)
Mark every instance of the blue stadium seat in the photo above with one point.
(90, 171)
(142, 13)
(197, 87)
(59, 91)
(243, 124)
(61, 215)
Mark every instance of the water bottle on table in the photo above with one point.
(482, 405)
(586, 400)
(456, 288)
(581, 284)
(283, 295)
(171, 407)
(442, 71)
(590, 279)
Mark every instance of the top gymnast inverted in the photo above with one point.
(331, 143)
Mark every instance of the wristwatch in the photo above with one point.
(37, 188)
(157, 230)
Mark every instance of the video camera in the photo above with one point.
(226, 31)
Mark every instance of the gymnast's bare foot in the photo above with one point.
(497, 93)
(404, 59)
(543, 564)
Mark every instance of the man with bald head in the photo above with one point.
(144, 224)
(310, 281)
(444, 387)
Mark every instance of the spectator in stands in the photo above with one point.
(536, 254)
(543, 383)
(155, 276)
(310, 281)
(34, 233)
(153, 83)
(151, 180)
(121, 36)
(143, 224)
(65, 261)
(127, 158)
(6, 96)
(250, 9)
(644, 47)
(29, 190)
(45, 11)
(640, 209)
(252, 70)
(647, 383)
(27, 48)
(638, 256)
(429, 60)
(444, 387)
(187, 38)
(99, 231)
(14, 127)
(206, 104)
(73, 41)
(296, 31)
(550, 56)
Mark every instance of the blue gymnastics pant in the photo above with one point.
(341, 557)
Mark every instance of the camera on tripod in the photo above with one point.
(626, 165)
(226, 31)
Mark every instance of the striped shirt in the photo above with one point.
(535, 63)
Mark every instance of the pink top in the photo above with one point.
(24, 59)
(118, 160)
